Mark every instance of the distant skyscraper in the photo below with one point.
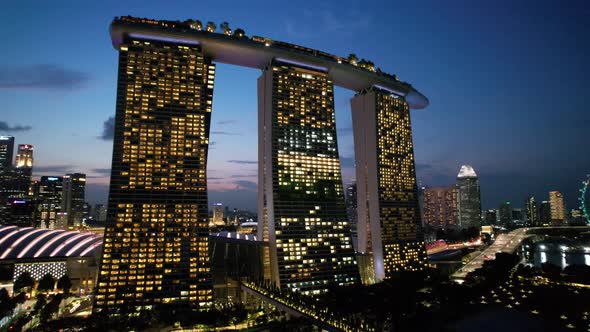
(557, 206)
(544, 213)
(517, 214)
(24, 156)
(532, 212)
(491, 217)
(351, 210)
(6, 152)
(155, 248)
(301, 200)
(469, 198)
(50, 201)
(506, 213)
(99, 212)
(218, 214)
(73, 195)
(440, 206)
(389, 219)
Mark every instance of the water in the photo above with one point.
(557, 258)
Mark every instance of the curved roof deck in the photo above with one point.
(243, 51)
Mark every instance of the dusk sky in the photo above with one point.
(507, 83)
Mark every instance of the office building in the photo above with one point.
(6, 152)
(532, 212)
(99, 213)
(469, 198)
(440, 207)
(24, 156)
(389, 220)
(218, 214)
(505, 213)
(545, 213)
(73, 196)
(351, 212)
(491, 217)
(301, 199)
(50, 195)
(557, 206)
(518, 215)
(156, 236)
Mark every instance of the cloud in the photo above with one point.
(57, 169)
(238, 176)
(246, 185)
(42, 76)
(224, 122)
(227, 133)
(243, 162)
(102, 171)
(7, 128)
(214, 178)
(108, 130)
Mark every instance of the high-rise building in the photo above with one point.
(301, 199)
(389, 220)
(505, 213)
(557, 206)
(544, 213)
(99, 212)
(469, 202)
(218, 214)
(351, 211)
(155, 248)
(532, 213)
(50, 201)
(440, 206)
(6, 152)
(517, 214)
(491, 217)
(73, 196)
(24, 156)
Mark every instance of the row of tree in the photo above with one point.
(25, 282)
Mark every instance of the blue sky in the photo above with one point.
(507, 81)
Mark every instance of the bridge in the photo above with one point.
(507, 243)
(297, 308)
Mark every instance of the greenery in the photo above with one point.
(46, 284)
(64, 284)
(23, 281)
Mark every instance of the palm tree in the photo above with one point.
(211, 27)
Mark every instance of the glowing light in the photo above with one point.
(35, 241)
(17, 242)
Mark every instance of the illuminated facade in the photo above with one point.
(469, 202)
(389, 222)
(6, 152)
(440, 206)
(50, 196)
(24, 156)
(73, 197)
(156, 235)
(557, 207)
(532, 212)
(301, 200)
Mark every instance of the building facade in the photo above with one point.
(50, 195)
(557, 206)
(389, 220)
(505, 213)
(545, 213)
(73, 197)
(156, 235)
(301, 199)
(469, 198)
(532, 212)
(440, 207)
(6, 152)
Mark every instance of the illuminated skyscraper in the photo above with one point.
(73, 196)
(505, 213)
(389, 221)
(440, 206)
(469, 201)
(351, 212)
(24, 156)
(557, 206)
(6, 152)
(218, 214)
(301, 201)
(155, 248)
(50, 201)
(532, 213)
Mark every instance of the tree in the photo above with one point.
(196, 24)
(352, 58)
(211, 27)
(225, 28)
(64, 284)
(46, 284)
(6, 303)
(239, 33)
(41, 302)
(23, 281)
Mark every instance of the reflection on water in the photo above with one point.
(560, 259)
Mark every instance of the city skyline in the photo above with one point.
(503, 149)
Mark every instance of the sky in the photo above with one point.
(507, 84)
